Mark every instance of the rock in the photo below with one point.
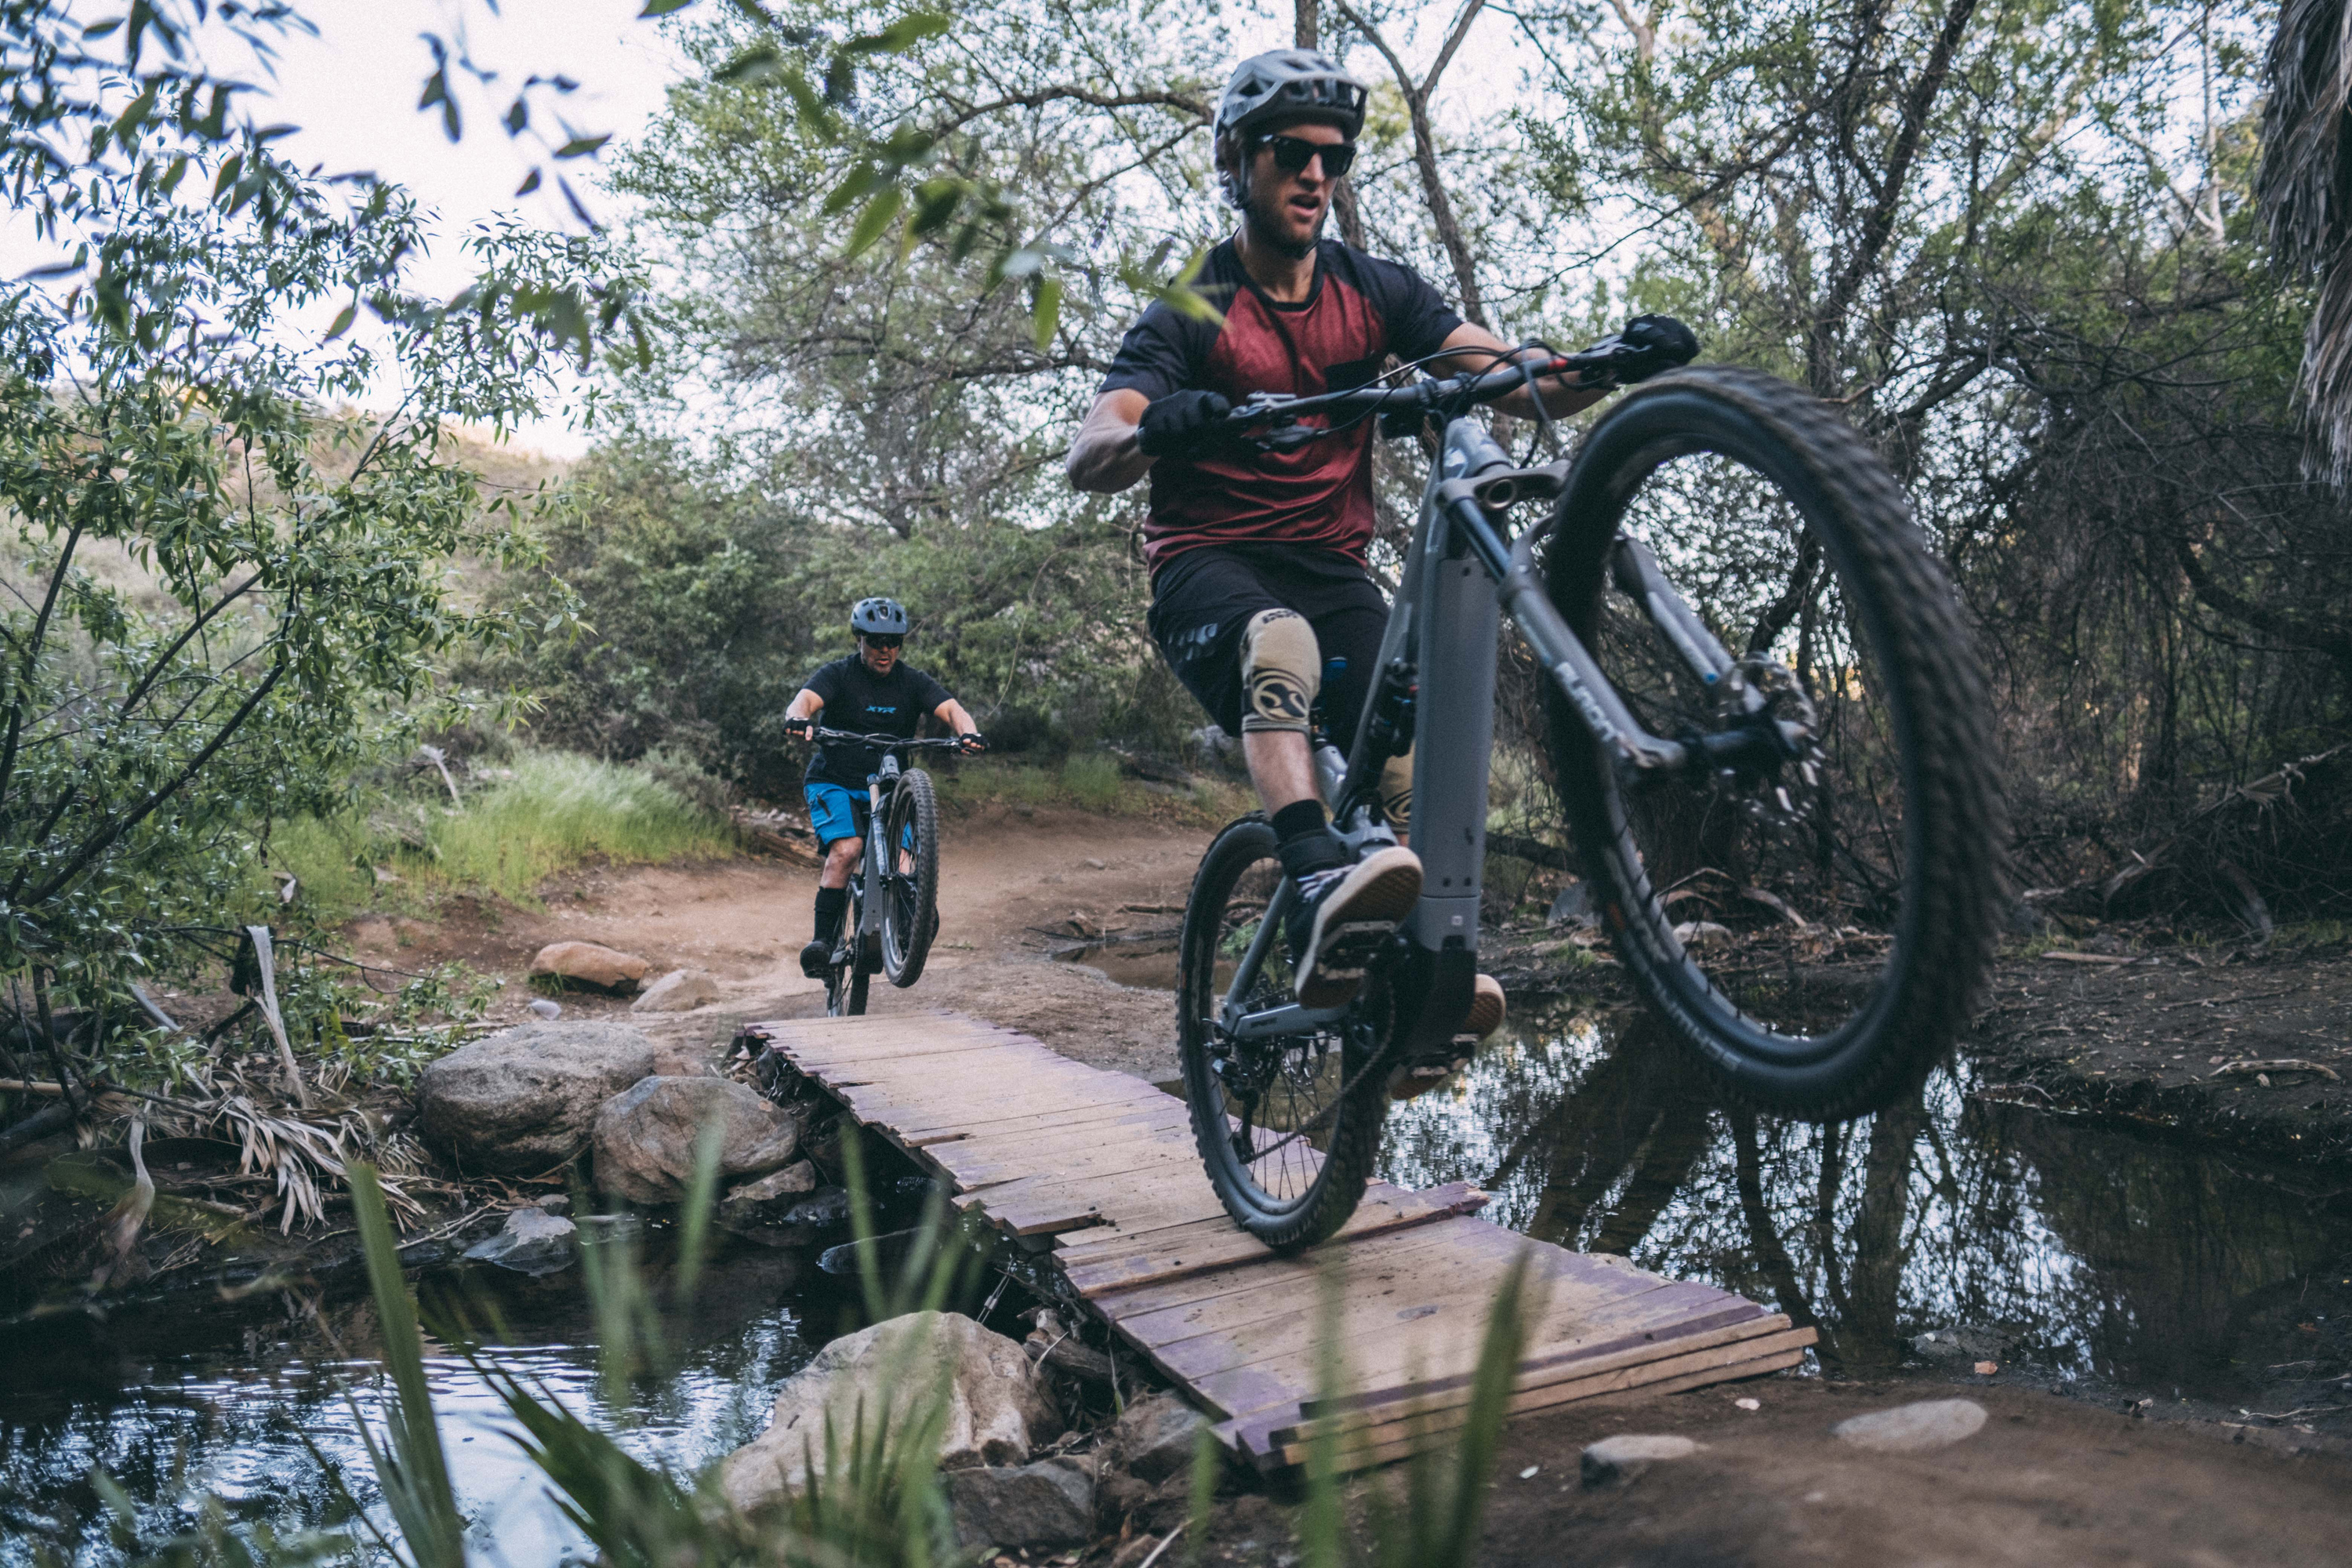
(795, 1179)
(679, 991)
(556, 1203)
(522, 1101)
(545, 1008)
(1044, 1506)
(826, 1208)
(532, 1242)
(1913, 1428)
(1621, 1458)
(757, 1210)
(996, 1408)
(645, 1136)
(588, 966)
(1153, 1437)
(1699, 933)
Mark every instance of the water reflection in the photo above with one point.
(2099, 1252)
(187, 1400)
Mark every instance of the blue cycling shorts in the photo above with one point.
(836, 812)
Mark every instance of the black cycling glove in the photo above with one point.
(973, 743)
(1182, 423)
(1658, 344)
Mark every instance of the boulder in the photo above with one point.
(1153, 1437)
(679, 991)
(588, 966)
(757, 1210)
(996, 1410)
(534, 1241)
(522, 1101)
(644, 1137)
(1913, 1428)
(1043, 1507)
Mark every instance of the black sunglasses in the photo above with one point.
(1293, 154)
(873, 641)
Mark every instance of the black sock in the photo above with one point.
(832, 903)
(1305, 840)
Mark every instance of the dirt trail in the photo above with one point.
(1007, 879)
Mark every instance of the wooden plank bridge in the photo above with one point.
(1104, 1165)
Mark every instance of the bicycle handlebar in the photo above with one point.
(819, 733)
(1594, 366)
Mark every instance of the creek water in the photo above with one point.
(2083, 1254)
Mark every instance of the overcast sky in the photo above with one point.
(353, 91)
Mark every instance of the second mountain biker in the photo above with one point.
(1260, 596)
(875, 692)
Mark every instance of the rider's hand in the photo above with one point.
(797, 729)
(1182, 423)
(1651, 345)
(975, 743)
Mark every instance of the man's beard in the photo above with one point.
(1261, 232)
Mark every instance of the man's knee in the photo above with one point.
(842, 853)
(1281, 671)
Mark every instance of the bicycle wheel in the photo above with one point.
(910, 893)
(1816, 936)
(846, 984)
(1287, 1128)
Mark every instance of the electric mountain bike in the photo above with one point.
(1793, 848)
(894, 893)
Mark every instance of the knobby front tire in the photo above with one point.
(845, 985)
(1817, 960)
(1298, 1192)
(910, 905)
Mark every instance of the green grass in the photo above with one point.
(557, 811)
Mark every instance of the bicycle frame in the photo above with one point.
(880, 869)
(1463, 573)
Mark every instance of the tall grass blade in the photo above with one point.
(693, 1219)
(1321, 1521)
(415, 1472)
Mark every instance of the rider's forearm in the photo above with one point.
(806, 704)
(1560, 399)
(1105, 458)
(952, 714)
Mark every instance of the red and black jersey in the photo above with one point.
(1359, 310)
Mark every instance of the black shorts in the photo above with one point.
(1203, 599)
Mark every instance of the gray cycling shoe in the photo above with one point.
(1347, 913)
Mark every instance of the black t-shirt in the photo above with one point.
(857, 699)
(1359, 310)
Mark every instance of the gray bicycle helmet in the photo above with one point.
(878, 618)
(1284, 85)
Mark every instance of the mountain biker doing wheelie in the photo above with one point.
(872, 691)
(1261, 597)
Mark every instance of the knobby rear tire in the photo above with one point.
(1933, 691)
(1282, 1221)
(911, 912)
(845, 985)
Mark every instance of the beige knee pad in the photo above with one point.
(1281, 671)
(1396, 791)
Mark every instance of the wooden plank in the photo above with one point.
(1278, 1356)
(979, 1122)
(1216, 1299)
(1380, 1200)
(1366, 1410)
(1396, 1440)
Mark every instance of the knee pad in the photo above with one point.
(1396, 791)
(1281, 671)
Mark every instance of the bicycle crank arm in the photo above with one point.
(1275, 1022)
